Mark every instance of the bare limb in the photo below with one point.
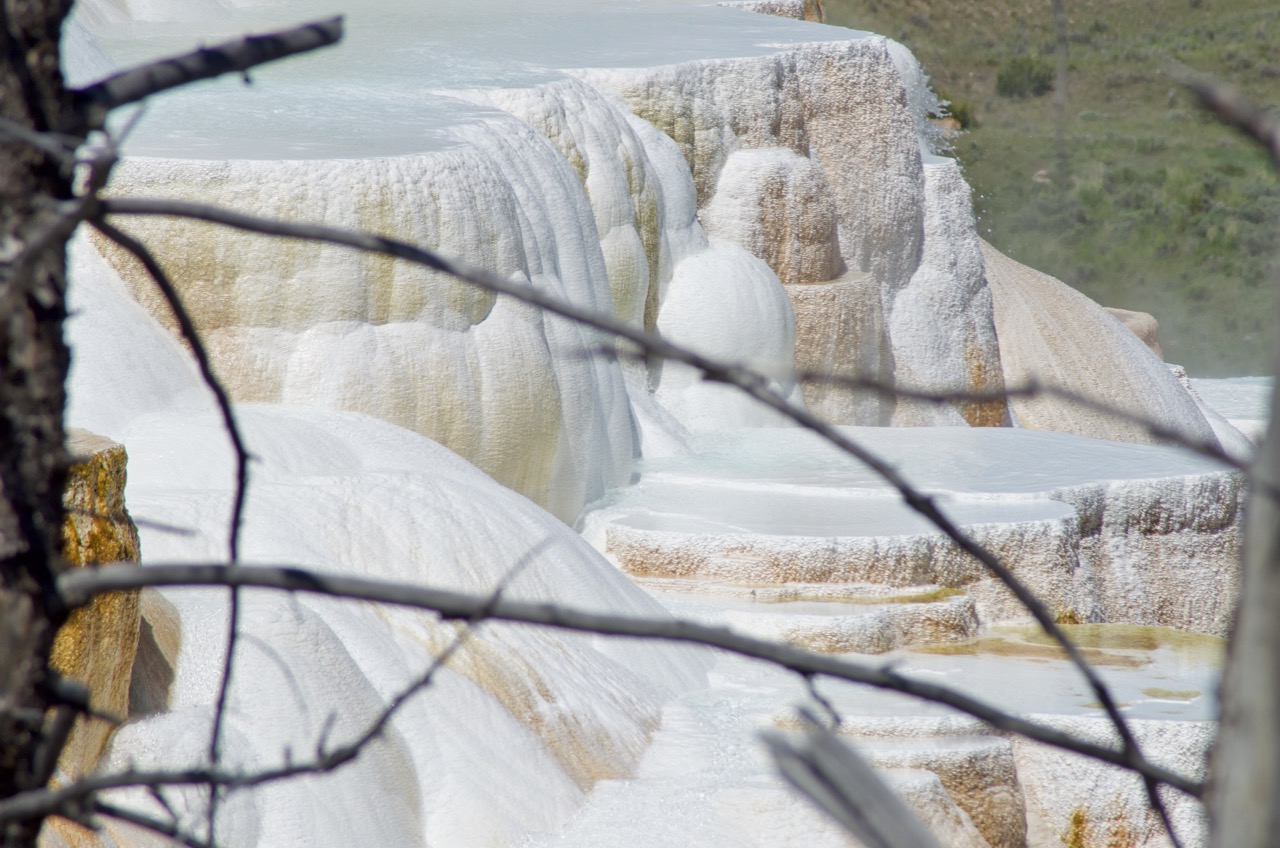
(749, 381)
(55, 739)
(192, 335)
(331, 759)
(142, 820)
(821, 700)
(189, 332)
(236, 56)
(1234, 109)
(57, 146)
(78, 586)
(1030, 389)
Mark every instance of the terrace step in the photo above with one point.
(830, 618)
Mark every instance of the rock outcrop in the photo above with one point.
(1143, 325)
(98, 643)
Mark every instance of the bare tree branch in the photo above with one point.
(1030, 389)
(55, 739)
(79, 586)
(189, 332)
(192, 335)
(142, 820)
(239, 56)
(236, 56)
(55, 145)
(1234, 109)
(749, 381)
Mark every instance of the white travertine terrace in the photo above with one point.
(1102, 531)
(756, 188)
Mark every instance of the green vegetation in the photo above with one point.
(928, 596)
(1124, 645)
(1024, 76)
(1199, 647)
(1009, 644)
(1172, 694)
(1147, 203)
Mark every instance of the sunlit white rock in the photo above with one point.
(527, 716)
(1101, 531)
(940, 323)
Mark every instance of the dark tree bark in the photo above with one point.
(33, 368)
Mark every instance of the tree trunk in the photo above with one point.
(1244, 800)
(33, 367)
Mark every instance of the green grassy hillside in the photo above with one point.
(1147, 204)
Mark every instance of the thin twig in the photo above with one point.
(236, 56)
(169, 829)
(821, 700)
(1234, 109)
(123, 515)
(57, 146)
(1030, 389)
(189, 332)
(59, 802)
(192, 335)
(330, 760)
(78, 586)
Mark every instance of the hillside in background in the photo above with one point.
(1147, 204)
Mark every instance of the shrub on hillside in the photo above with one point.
(1024, 76)
(960, 109)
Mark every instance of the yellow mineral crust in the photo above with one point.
(97, 644)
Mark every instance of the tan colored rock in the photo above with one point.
(843, 105)
(97, 644)
(1051, 333)
(61, 833)
(800, 10)
(1077, 801)
(926, 795)
(1143, 324)
(839, 331)
(587, 750)
(949, 127)
(159, 640)
(778, 205)
(978, 773)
